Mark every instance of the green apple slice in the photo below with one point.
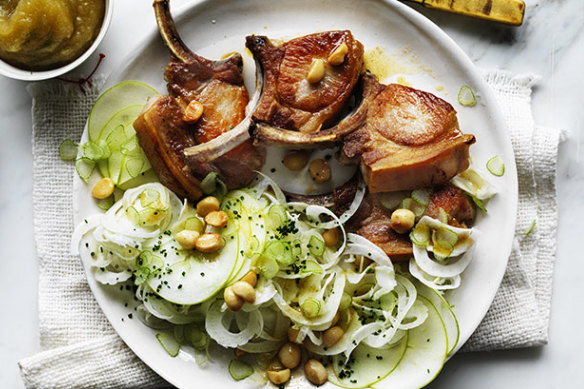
(251, 247)
(143, 178)
(170, 344)
(240, 205)
(446, 313)
(126, 160)
(121, 95)
(369, 365)
(192, 277)
(425, 354)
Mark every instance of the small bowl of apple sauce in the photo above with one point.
(42, 39)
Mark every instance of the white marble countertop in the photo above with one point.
(550, 43)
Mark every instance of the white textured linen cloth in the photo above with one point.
(81, 349)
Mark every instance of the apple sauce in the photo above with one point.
(46, 34)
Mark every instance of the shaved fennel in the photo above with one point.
(303, 284)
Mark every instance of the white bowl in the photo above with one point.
(34, 75)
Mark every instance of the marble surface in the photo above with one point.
(550, 43)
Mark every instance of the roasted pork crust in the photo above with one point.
(366, 89)
(219, 87)
(457, 205)
(186, 79)
(288, 101)
(409, 140)
(425, 117)
(417, 168)
(238, 167)
(163, 135)
(373, 221)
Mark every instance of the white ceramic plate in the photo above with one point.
(429, 60)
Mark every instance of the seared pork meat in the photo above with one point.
(454, 202)
(188, 80)
(164, 136)
(288, 100)
(343, 195)
(218, 86)
(373, 221)
(409, 139)
(324, 200)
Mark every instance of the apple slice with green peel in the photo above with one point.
(127, 160)
(368, 366)
(134, 161)
(118, 133)
(193, 277)
(425, 354)
(121, 95)
(115, 162)
(242, 260)
(446, 313)
(143, 178)
(123, 117)
(239, 370)
(254, 228)
(170, 344)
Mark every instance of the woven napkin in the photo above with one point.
(519, 316)
(81, 349)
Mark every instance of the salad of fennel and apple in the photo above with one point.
(273, 279)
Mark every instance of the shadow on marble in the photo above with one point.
(484, 360)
